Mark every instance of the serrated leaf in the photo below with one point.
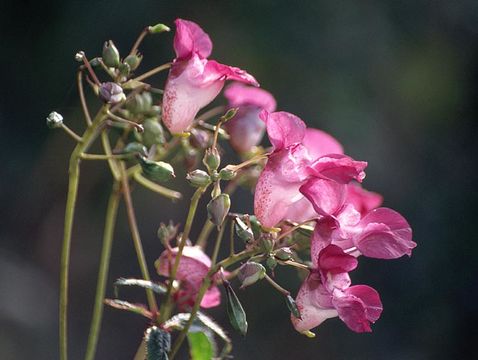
(127, 306)
(200, 345)
(157, 288)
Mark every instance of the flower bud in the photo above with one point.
(135, 148)
(212, 159)
(218, 208)
(133, 61)
(79, 56)
(158, 28)
(124, 69)
(54, 120)
(291, 304)
(255, 226)
(235, 311)
(140, 103)
(156, 170)
(167, 232)
(250, 272)
(158, 343)
(198, 178)
(271, 263)
(227, 174)
(229, 114)
(153, 133)
(111, 56)
(111, 93)
(243, 231)
(283, 254)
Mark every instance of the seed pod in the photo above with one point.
(156, 170)
(140, 103)
(153, 133)
(243, 231)
(283, 254)
(212, 159)
(198, 178)
(135, 148)
(111, 56)
(218, 208)
(235, 311)
(54, 120)
(158, 28)
(133, 61)
(227, 174)
(291, 304)
(250, 272)
(158, 343)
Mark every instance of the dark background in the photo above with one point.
(394, 81)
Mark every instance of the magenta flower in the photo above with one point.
(362, 200)
(246, 128)
(193, 268)
(326, 293)
(194, 81)
(291, 165)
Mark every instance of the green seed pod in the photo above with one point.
(243, 231)
(54, 120)
(156, 170)
(212, 159)
(283, 254)
(153, 133)
(250, 272)
(158, 343)
(291, 304)
(133, 61)
(218, 208)
(135, 148)
(227, 174)
(198, 178)
(235, 311)
(158, 28)
(140, 103)
(111, 56)
(124, 69)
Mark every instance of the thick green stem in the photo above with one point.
(153, 307)
(165, 311)
(110, 223)
(73, 181)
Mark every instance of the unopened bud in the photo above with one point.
(229, 114)
(255, 226)
(135, 148)
(140, 103)
(158, 28)
(111, 56)
(283, 254)
(243, 231)
(211, 159)
(227, 174)
(124, 69)
(167, 232)
(291, 304)
(198, 178)
(79, 56)
(218, 208)
(153, 133)
(111, 93)
(156, 170)
(54, 120)
(271, 263)
(133, 61)
(250, 272)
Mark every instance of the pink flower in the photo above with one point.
(291, 165)
(246, 128)
(326, 293)
(194, 81)
(362, 200)
(193, 268)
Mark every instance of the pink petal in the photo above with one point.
(284, 129)
(193, 265)
(190, 39)
(340, 168)
(240, 95)
(385, 234)
(314, 303)
(322, 237)
(211, 298)
(333, 260)
(358, 306)
(362, 200)
(231, 73)
(319, 143)
(326, 196)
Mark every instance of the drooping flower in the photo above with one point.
(246, 129)
(193, 268)
(194, 81)
(291, 164)
(326, 293)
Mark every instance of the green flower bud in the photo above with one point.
(135, 148)
(212, 159)
(271, 263)
(133, 61)
(140, 103)
(111, 56)
(229, 114)
(167, 232)
(235, 311)
(243, 231)
(54, 120)
(156, 170)
(250, 272)
(124, 69)
(227, 174)
(255, 226)
(283, 254)
(158, 343)
(267, 243)
(158, 28)
(153, 133)
(198, 178)
(218, 208)
(292, 306)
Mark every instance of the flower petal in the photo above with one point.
(334, 260)
(340, 168)
(326, 196)
(362, 200)
(191, 39)
(240, 95)
(211, 298)
(284, 129)
(319, 143)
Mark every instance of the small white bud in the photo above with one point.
(54, 120)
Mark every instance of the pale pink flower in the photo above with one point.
(193, 80)
(246, 129)
(193, 268)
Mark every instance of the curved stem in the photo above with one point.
(79, 79)
(170, 194)
(110, 222)
(153, 72)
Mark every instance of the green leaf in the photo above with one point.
(235, 311)
(157, 288)
(200, 345)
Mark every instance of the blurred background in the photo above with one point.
(394, 81)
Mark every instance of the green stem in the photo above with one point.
(204, 234)
(153, 72)
(73, 181)
(276, 285)
(136, 237)
(110, 222)
(170, 194)
(165, 311)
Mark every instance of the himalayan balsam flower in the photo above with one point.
(194, 81)
(246, 128)
(299, 154)
(193, 268)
